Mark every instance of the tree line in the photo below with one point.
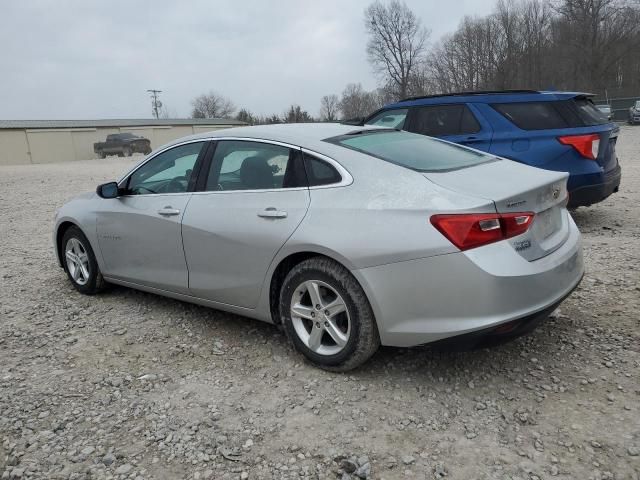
(576, 45)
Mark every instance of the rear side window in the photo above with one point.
(440, 120)
(417, 152)
(247, 165)
(579, 112)
(320, 172)
(589, 113)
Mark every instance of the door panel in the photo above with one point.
(230, 239)
(140, 241)
(139, 233)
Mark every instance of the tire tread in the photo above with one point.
(368, 340)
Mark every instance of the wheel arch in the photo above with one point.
(62, 228)
(286, 264)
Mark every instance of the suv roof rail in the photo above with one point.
(464, 94)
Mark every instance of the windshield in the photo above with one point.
(389, 119)
(410, 150)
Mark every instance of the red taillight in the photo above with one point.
(472, 230)
(586, 145)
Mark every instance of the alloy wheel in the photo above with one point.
(77, 261)
(320, 317)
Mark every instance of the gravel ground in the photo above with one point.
(131, 385)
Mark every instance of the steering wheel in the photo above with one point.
(177, 185)
(143, 188)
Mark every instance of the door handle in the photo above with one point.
(272, 212)
(168, 211)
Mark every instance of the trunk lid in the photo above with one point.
(512, 188)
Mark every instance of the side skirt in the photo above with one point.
(245, 312)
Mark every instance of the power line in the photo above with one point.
(156, 104)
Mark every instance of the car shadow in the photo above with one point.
(446, 360)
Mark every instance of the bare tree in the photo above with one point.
(212, 105)
(246, 116)
(396, 43)
(295, 114)
(356, 102)
(271, 119)
(329, 106)
(588, 45)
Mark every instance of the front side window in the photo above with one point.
(440, 120)
(167, 172)
(410, 150)
(390, 119)
(247, 165)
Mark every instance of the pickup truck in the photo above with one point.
(123, 145)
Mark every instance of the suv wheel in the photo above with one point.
(327, 316)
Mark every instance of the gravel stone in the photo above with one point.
(158, 387)
(124, 469)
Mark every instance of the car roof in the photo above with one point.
(493, 96)
(299, 134)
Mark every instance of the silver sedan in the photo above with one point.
(348, 237)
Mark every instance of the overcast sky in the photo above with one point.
(62, 59)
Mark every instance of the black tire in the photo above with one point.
(126, 152)
(95, 282)
(121, 154)
(103, 155)
(363, 341)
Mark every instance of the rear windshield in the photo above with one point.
(417, 152)
(578, 112)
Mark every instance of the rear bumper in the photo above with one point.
(496, 335)
(430, 299)
(586, 195)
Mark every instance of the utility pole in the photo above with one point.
(156, 104)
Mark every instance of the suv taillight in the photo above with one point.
(473, 230)
(586, 145)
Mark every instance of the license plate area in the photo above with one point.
(547, 223)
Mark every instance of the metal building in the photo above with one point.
(45, 141)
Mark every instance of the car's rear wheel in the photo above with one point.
(80, 262)
(327, 316)
(103, 155)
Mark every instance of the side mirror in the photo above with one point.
(108, 190)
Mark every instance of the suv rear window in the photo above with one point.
(410, 150)
(578, 112)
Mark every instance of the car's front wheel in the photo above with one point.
(80, 262)
(327, 316)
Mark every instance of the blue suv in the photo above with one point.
(562, 131)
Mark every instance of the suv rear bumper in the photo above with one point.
(590, 194)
